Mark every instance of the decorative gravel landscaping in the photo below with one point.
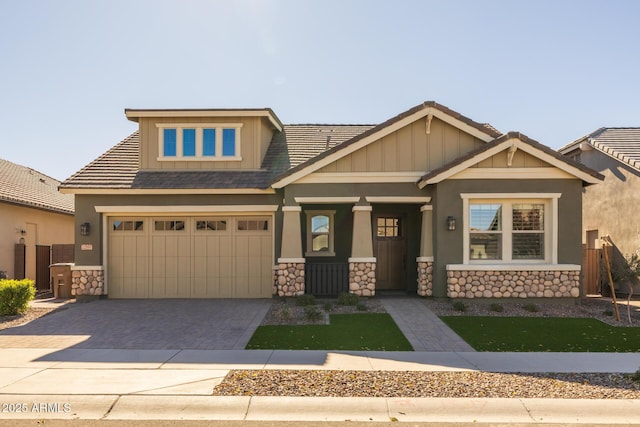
(427, 384)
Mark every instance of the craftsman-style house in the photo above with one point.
(219, 203)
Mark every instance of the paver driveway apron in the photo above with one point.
(219, 324)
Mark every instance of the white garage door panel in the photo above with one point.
(175, 258)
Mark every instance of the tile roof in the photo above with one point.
(118, 167)
(306, 141)
(482, 127)
(621, 143)
(24, 186)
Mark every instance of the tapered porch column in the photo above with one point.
(362, 263)
(425, 260)
(288, 275)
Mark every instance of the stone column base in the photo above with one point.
(513, 284)
(425, 278)
(362, 277)
(288, 278)
(87, 280)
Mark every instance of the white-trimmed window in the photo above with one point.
(510, 230)
(199, 141)
(320, 228)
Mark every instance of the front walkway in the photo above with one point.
(424, 330)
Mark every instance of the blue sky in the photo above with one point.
(553, 70)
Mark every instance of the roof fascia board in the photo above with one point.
(466, 164)
(183, 209)
(157, 191)
(557, 163)
(460, 124)
(379, 135)
(28, 205)
(501, 147)
(133, 115)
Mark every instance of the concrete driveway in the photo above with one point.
(222, 324)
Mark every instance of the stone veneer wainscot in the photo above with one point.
(425, 278)
(87, 280)
(564, 283)
(288, 279)
(362, 278)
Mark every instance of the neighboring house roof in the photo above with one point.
(621, 143)
(482, 131)
(24, 186)
(519, 141)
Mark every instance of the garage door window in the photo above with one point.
(168, 225)
(253, 225)
(128, 225)
(211, 225)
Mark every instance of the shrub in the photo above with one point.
(3, 274)
(498, 308)
(459, 306)
(327, 306)
(312, 313)
(635, 376)
(531, 308)
(346, 298)
(361, 306)
(285, 313)
(305, 300)
(608, 312)
(15, 296)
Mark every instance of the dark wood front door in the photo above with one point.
(390, 250)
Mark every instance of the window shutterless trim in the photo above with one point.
(330, 235)
(550, 201)
(220, 145)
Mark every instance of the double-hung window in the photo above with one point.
(510, 230)
(320, 233)
(199, 141)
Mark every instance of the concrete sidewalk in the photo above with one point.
(177, 384)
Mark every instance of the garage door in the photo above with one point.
(190, 257)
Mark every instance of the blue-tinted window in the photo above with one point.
(229, 142)
(169, 142)
(188, 142)
(208, 142)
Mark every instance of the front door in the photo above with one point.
(390, 250)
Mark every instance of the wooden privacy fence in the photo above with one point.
(326, 279)
(591, 265)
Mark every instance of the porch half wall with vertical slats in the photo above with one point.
(326, 279)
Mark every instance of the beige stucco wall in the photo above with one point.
(409, 149)
(254, 141)
(44, 228)
(611, 207)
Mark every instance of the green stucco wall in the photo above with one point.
(85, 212)
(447, 202)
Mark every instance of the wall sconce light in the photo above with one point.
(451, 223)
(85, 229)
(23, 232)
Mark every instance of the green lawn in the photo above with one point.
(364, 331)
(543, 334)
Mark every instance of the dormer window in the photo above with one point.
(199, 141)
